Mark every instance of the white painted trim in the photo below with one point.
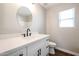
(67, 51)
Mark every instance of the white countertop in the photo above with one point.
(11, 43)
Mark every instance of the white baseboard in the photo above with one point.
(68, 51)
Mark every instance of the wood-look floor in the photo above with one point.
(60, 53)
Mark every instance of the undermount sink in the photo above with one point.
(33, 36)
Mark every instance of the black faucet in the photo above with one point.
(28, 34)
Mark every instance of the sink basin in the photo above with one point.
(33, 36)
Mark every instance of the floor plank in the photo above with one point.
(60, 53)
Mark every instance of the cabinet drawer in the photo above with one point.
(10, 53)
(13, 54)
(16, 52)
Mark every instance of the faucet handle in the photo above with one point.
(24, 35)
(29, 34)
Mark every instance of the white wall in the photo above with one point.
(66, 38)
(39, 21)
(8, 21)
(1, 16)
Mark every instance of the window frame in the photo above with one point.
(72, 18)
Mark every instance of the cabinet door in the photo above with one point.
(34, 49)
(44, 50)
(45, 47)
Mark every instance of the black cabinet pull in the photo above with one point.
(39, 52)
(20, 54)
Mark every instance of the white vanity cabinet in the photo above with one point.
(28, 46)
(38, 48)
(16, 52)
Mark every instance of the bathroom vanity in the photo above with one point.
(36, 45)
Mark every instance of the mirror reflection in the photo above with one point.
(24, 17)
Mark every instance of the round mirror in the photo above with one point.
(24, 17)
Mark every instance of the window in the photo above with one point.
(66, 18)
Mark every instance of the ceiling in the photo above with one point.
(47, 5)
